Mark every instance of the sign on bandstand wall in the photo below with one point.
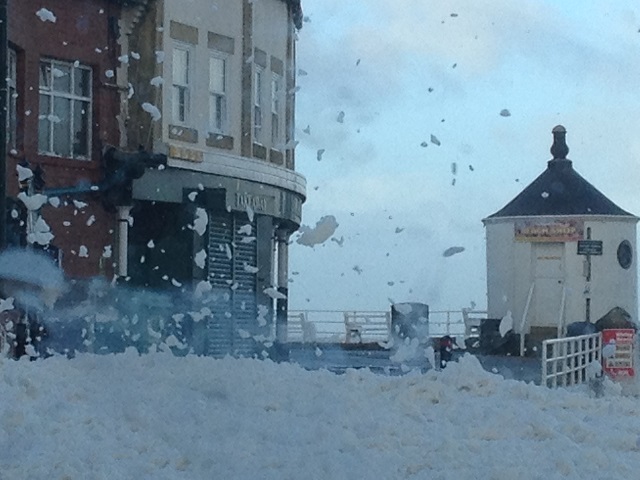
(617, 352)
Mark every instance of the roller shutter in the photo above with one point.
(232, 257)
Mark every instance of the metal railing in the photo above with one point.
(373, 325)
(338, 326)
(565, 361)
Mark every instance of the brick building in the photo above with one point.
(211, 89)
(62, 112)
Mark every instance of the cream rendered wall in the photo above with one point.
(522, 276)
(270, 33)
(575, 281)
(510, 271)
(611, 284)
(500, 272)
(270, 27)
(223, 18)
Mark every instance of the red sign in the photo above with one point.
(558, 230)
(617, 352)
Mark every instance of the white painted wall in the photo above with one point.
(501, 291)
(511, 269)
(611, 284)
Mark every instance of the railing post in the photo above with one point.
(524, 318)
(567, 361)
(544, 356)
(555, 363)
(561, 326)
(303, 322)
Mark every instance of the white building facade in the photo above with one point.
(560, 252)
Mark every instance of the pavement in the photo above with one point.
(337, 358)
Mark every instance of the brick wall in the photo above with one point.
(83, 31)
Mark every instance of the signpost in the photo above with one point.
(589, 247)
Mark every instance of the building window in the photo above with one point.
(625, 254)
(257, 104)
(64, 127)
(181, 84)
(12, 95)
(276, 108)
(217, 94)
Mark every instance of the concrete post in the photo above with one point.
(282, 304)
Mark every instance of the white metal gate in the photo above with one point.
(565, 360)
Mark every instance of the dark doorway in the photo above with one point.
(161, 245)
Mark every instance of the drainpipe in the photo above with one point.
(123, 237)
(4, 55)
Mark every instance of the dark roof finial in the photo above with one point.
(559, 149)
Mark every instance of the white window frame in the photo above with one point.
(258, 104)
(46, 119)
(182, 118)
(12, 95)
(276, 110)
(219, 98)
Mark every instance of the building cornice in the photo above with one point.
(235, 166)
(296, 12)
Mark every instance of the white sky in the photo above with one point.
(548, 63)
(162, 417)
